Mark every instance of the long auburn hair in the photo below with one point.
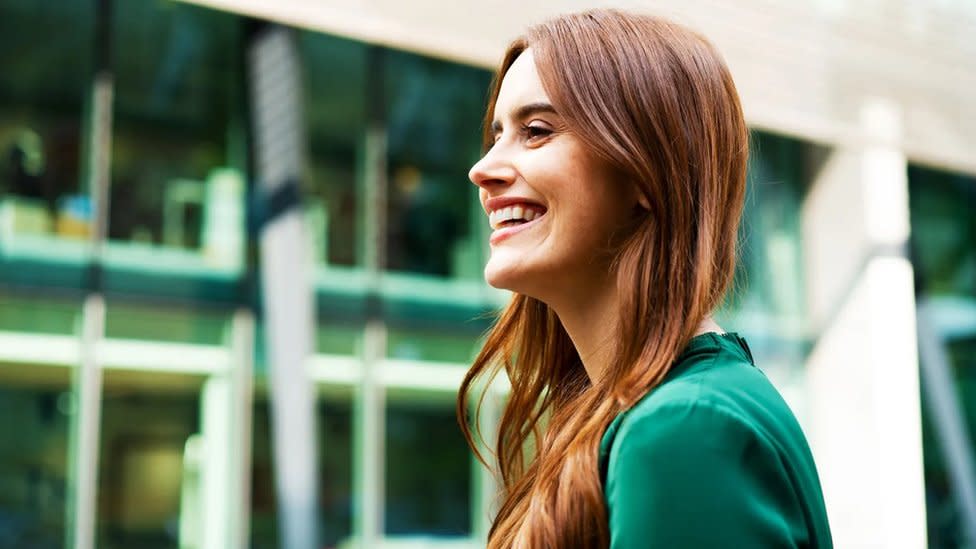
(656, 101)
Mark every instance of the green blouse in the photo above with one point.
(713, 457)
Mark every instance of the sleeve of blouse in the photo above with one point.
(695, 476)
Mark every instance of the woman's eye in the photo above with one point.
(535, 132)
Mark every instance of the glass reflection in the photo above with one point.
(178, 151)
(770, 268)
(943, 252)
(434, 111)
(943, 231)
(412, 344)
(46, 60)
(335, 114)
(147, 419)
(334, 424)
(34, 458)
(428, 471)
(766, 300)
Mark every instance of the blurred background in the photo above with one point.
(140, 191)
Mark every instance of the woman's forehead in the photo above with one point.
(520, 86)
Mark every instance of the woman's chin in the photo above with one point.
(504, 275)
(496, 278)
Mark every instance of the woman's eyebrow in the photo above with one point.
(524, 112)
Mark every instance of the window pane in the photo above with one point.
(334, 424)
(943, 251)
(147, 419)
(766, 300)
(36, 399)
(770, 258)
(158, 323)
(434, 110)
(338, 339)
(38, 315)
(943, 231)
(45, 52)
(264, 523)
(178, 148)
(428, 471)
(335, 114)
(430, 346)
(34, 455)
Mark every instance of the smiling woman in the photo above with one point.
(613, 178)
(537, 162)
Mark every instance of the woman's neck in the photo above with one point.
(593, 325)
(591, 320)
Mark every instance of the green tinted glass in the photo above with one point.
(943, 252)
(335, 114)
(334, 424)
(178, 151)
(428, 471)
(147, 419)
(434, 110)
(46, 55)
(430, 346)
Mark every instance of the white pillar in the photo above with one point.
(215, 478)
(242, 335)
(862, 374)
(286, 276)
(86, 428)
(224, 447)
(87, 386)
(370, 437)
(486, 485)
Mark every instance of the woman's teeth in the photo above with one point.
(512, 215)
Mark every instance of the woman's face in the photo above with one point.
(552, 204)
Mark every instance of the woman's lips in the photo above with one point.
(499, 235)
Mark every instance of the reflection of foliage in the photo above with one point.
(45, 52)
(943, 250)
(434, 111)
(942, 512)
(943, 241)
(33, 462)
(962, 355)
(428, 473)
(334, 425)
(425, 221)
(175, 100)
(335, 99)
(769, 269)
(335, 471)
(431, 111)
(170, 72)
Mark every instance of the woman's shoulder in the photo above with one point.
(715, 395)
(715, 378)
(714, 444)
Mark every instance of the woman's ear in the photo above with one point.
(642, 200)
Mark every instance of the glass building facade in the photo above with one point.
(943, 250)
(178, 272)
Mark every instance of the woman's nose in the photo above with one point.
(493, 170)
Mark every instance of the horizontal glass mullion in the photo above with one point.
(39, 315)
(156, 323)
